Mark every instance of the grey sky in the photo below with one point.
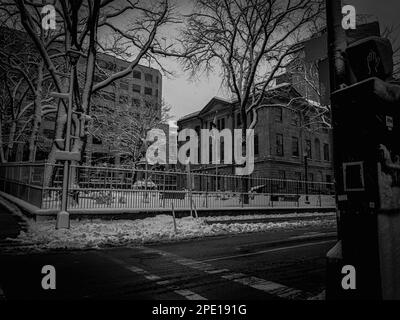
(188, 96)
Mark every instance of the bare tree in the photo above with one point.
(251, 41)
(78, 26)
(124, 128)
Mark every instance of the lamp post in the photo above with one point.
(63, 215)
(306, 176)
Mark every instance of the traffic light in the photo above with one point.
(366, 122)
(370, 57)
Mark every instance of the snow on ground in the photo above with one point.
(86, 234)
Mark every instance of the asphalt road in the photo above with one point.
(258, 266)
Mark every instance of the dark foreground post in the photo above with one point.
(365, 263)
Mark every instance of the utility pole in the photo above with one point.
(306, 176)
(337, 69)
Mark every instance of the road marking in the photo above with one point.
(265, 251)
(314, 234)
(188, 294)
(270, 287)
(305, 236)
(218, 271)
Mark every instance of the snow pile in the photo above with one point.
(100, 233)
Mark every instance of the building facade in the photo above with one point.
(283, 138)
(140, 89)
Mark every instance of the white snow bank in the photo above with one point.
(99, 233)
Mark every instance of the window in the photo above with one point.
(156, 79)
(310, 177)
(210, 150)
(148, 91)
(282, 174)
(326, 152)
(295, 146)
(108, 65)
(278, 114)
(308, 149)
(98, 78)
(297, 176)
(136, 74)
(124, 85)
(295, 119)
(256, 148)
(238, 120)
(148, 77)
(156, 92)
(110, 96)
(96, 140)
(136, 88)
(49, 133)
(135, 103)
(317, 147)
(123, 99)
(221, 124)
(222, 150)
(307, 122)
(328, 178)
(279, 145)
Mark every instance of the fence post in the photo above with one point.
(163, 202)
(173, 216)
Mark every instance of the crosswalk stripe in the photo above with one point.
(270, 287)
(187, 294)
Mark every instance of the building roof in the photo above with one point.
(213, 100)
(190, 115)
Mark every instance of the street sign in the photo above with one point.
(71, 156)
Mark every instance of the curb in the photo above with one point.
(272, 219)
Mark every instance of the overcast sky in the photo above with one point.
(188, 96)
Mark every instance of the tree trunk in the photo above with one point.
(2, 157)
(60, 128)
(11, 137)
(37, 117)
(244, 179)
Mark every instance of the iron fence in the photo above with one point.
(108, 187)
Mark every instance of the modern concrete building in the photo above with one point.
(140, 89)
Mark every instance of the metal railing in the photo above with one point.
(113, 188)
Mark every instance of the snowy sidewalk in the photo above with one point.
(87, 234)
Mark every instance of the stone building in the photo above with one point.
(284, 135)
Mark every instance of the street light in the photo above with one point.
(63, 216)
(306, 175)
